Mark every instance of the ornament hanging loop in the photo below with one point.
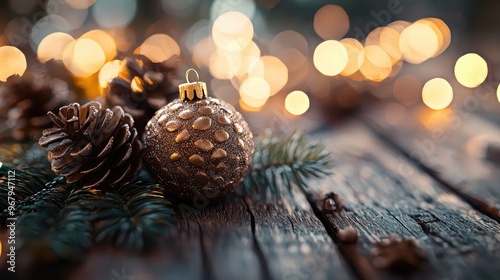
(191, 91)
(195, 72)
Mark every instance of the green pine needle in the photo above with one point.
(281, 163)
(26, 181)
(134, 217)
(57, 224)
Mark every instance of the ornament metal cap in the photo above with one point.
(192, 91)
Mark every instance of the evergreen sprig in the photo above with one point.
(134, 217)
(57, 224)
(25, 180)
(56, 219)
(281, 163)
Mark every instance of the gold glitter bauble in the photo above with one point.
(198, 145)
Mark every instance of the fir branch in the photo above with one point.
(134, 217)
(25, 180)
(49, 194)
(57, 224)
(282, 163)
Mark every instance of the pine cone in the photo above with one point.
(142, 87)
(25, 101)
(93, 145)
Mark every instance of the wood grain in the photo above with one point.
(448, 145)
(385, 194)
(248, 239)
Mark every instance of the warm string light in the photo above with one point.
(52, 46)
(380, 56)
(330, 58)
(109, 71)
(331, 22)
(159, 48)
(231, 54)
(254, 72)
(471, 70)
(437, 94)
(13, 62)
(297, 103)
(498, 93)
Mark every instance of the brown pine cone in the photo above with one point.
(25, 101)
(92, 145)
(142, 87)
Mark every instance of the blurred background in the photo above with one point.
(285, 64)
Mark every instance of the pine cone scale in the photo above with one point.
(96, 180)
(92, 144)
(124, 153)
(61, 149)
(50, 137)
(92, 166)
(85, 151)
(107, 149)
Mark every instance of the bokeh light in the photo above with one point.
(47, 25)
(471, 70)
(498, 93)
(288, 39)
(105, 40)
(442, 30)
(80, 4)
(52, 46)
(223, 66)
(353, 48)
(330, 58)
(220, 7)
(407, 89)
(434, 119)
(13, 62)
(419, 42)
(297, 102)
(374, 63)
(232, 31)
(202, 51)
(73, 16)
(247, 59)
(124, 38)
(114, 13)
(389, 42)
(273, 71)
(159, 48)
(297, 64)
(437, 94)
(254, 92)
(331, 22)
(84, 57)
(373, 37)
(108, 72)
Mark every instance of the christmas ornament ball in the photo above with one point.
(198, 145)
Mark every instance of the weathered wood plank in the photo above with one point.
(227, 240)
(386, 195)
(246, 239)
(294, 242)
(447, 145)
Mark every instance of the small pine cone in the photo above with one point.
(25, 101)
(92, 145)
(142, 87)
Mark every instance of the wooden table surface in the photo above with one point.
(399, 173)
